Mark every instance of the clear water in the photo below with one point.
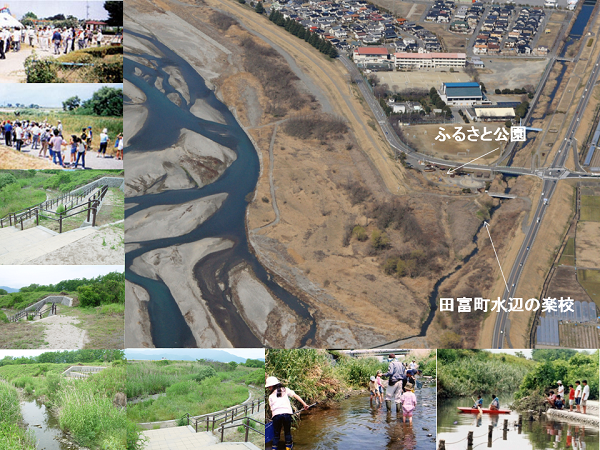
(453, 427)
(35, 413)
(355, 424)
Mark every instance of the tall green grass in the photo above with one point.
(12, 437)
(356, 372)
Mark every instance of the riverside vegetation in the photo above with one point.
(86, 408)
(194, 387)
(472, 372)
(320, 375)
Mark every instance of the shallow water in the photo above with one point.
(353, 424)
(35, 413)
(453, 427)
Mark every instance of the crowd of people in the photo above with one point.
(50, 143)
(50, 39)
(577, 397)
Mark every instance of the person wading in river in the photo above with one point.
(281, 409)
(396, 373)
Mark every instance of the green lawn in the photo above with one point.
(590, 280)
(590, 208)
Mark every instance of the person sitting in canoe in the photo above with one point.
(478, 403)
(495, 405)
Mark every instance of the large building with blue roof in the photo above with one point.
(462, 94)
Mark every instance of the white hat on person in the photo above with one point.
(272, 381)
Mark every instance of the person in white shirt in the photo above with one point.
(99, 38)
(281, 409)
(584, 395)
(561, 389)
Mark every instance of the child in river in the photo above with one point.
(374, 390)
(379, 386)
(409, 403)
(281, 409)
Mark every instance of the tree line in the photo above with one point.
(67, 357)
(298, 30)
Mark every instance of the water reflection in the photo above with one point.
(44, 425)
(357, 424)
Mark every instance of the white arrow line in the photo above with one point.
(452, 170)
(487, 227)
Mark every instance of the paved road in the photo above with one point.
(550, 176)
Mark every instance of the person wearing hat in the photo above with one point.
(103, 142)
(409, 403)
(561, 389)
(373, 390)
(281, 410)
(396, 374)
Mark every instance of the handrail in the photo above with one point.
(214, 417)
(27, 213)
(38, 311)
(245, 425)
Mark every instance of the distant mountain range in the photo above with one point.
(9, 289)
(190, 354)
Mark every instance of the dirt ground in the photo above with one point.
(62, 333)
(451, 42)
(588, 245)
(564, 284)
(407, 10)
(21, 335)
(511, 73)
(12, 159)
(425, 79)
(102, 329)
(422, 139)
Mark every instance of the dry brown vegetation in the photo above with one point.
(222, 21)
(316, 126)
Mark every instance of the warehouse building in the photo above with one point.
(462, 94)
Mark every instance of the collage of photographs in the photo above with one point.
(299, 224)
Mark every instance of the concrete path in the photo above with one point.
(92, 160)
(184, 438)
(24, 246)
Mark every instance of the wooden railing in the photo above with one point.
(52, 309)
(13, 219)
(227, 416)
(246, 424)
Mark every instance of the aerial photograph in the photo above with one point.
(362, 174)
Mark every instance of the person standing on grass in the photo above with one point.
(578, 395)
(281, 409)
(584, 396)
(409, 403)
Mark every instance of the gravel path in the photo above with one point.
(61, 333)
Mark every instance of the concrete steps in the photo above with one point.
(184, 438)
(27, 245)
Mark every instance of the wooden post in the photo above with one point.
(37, 217)
(222, 431)
(520, 424)
(94, 211)
(21, 223)
(89, 209)
(60, 224)
(442, 445)
(247, 429)
(470, 439)
(505, 425)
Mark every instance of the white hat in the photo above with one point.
(272, 381)
(559, 382)
(372, 378)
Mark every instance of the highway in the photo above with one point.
(550, 176)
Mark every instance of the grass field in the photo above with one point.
(84, 406)
(568, 256)
(73, 124)
(12, 436)
(590, 280)
(590, 208)
(104, 324)
(188, 387)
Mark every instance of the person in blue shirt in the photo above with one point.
(8, 134)
(478, 403)
(495, 405)
(558, 403)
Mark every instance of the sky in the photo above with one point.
(19, 276)
(48, 8)
(252, 353)
(48, 95)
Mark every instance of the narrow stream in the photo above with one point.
(353, 424)
(543, 434)
(44, 425)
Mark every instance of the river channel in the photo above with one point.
(453, 427)
(353, 424)
(161, 130)
(44, 425)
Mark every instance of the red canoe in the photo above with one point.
(483, 410)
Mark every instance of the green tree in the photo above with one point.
(71, 103)
(106, 101)
(115, 13)
(259, 7)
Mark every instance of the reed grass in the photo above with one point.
(12, 437)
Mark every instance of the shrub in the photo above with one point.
(379, 240)
(360, 233)
(204, 372)
(6, 178)
(40, 70)
(3, 317)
